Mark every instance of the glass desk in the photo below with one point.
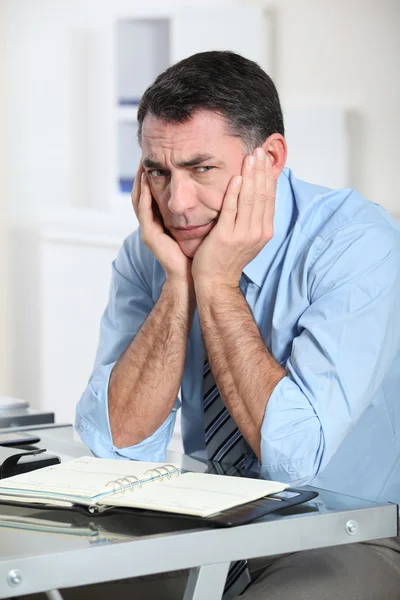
(92, 549)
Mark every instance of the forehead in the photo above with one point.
(205, 132)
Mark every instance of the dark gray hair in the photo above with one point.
(223, 82)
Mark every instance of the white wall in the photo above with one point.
(53, 101)
(5, 303)
(347, 52)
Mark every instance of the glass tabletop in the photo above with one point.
(34, 531)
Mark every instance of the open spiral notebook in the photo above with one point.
(100, 484)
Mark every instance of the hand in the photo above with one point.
(244, 226)
(176, 265)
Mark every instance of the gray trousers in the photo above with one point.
(363, 571)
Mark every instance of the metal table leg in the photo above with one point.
(53, 595)
(206, 582)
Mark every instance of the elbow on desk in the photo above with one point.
(121, 440)
(295, 458)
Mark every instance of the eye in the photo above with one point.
(156, 173)
(203, 169)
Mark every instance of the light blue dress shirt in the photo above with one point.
(325, 294)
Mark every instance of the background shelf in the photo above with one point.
(143, 52)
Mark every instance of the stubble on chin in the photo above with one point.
(189, 248)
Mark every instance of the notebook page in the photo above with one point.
(199, 494)
(81, 478)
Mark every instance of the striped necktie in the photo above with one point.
(225, 446)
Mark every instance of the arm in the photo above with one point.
(129, 401)
(145, 380)
(244, 370)
(350, 335)
(131, 302)
(295, 419)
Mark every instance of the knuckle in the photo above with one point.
(269, 233)
(262, 196)
(225, 239)
(241, 241)
(231, 211)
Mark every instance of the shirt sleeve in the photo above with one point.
(130, 302)
(348, 338)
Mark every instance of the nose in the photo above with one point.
(182, 195)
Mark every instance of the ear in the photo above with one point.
(275, 148)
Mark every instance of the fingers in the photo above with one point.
(270, 187)
(229, 209)
(263, 200)
(247, 193)
(144, 204)
(257, 198)
(245, 207)
(135, 193)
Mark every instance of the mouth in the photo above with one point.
(191, 231)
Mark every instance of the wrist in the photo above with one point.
(216, 296)
(215, 287)
(180, 277)
(180, 290)
(180, 285)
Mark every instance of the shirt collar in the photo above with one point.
(258, 268)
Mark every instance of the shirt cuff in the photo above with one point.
(93, 425)
(291, 436)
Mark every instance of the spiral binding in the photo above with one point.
(170, 471)
(120, 486)
(128, 483)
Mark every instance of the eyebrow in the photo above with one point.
(191, 162)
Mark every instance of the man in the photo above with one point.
(273, 303)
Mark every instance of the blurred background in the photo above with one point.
(71, 75)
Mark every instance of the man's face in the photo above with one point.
(189, 166)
